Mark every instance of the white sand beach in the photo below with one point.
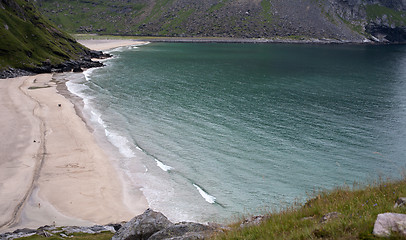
(52, 171)
(102, 45)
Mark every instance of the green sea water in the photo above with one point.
(211, 131)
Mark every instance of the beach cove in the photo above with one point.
(52, 170)
(206, 132)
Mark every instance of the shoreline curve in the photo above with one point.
(54, 172)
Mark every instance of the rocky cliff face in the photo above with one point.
(379, 20)
(347, 20)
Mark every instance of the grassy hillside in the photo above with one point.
(91, 16)
(321, 19)
(27, 39)
(189, 18)
(357, 211)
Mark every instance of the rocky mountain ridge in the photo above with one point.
(344, 20)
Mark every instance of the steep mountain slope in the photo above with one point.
(348, 20)
(31, 43)
(382, 20)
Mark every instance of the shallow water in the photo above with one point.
(225, 129)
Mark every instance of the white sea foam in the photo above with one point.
(88, 72)
(78, 88)
(96, 117)
(163, 166)
(209, 198)
(119, 49)
(125, 48)
(121, 143)
(74, 87)
(71, 87)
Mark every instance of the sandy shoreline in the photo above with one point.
(52, 171)
(102, 45)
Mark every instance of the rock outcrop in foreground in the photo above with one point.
(153, 225)
(58, 232)
(150, 225)
(387, 223)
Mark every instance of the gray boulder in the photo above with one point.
(390, 222)
(184, 231)
(142, 226)
(401, 202)
(90, 230)
(19, 233)
(252, 221)
(329, 216)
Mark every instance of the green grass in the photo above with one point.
(159, 7)
(266, 10)
(27, 39)
(375, 11)
(217, 6)
(75, 236)
(354, 26)
(170, 26)
(358, 208)
(101, 15)
(154, 15)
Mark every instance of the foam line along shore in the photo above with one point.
(53, 171)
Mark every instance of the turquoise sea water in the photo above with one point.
(209, 131)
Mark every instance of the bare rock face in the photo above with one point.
(143, 226)
(390, 222)
(13, 72)
(150, 225)
(184, 231)
(155, 226)
(401, 202)
(57, 232)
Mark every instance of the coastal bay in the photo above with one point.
(187, 124)
(228, 129)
